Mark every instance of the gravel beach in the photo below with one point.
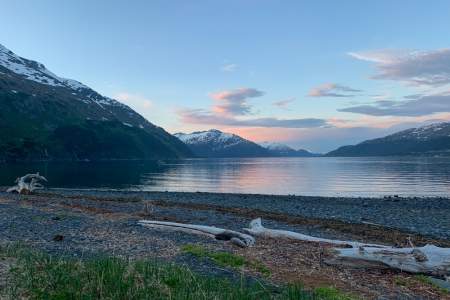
(427, 216)
(84, 223)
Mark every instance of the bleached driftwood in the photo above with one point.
(429, 259)
(27, 184)
(257, 229)
(237, 238)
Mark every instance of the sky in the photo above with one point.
(310, 74)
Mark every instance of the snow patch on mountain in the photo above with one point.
(276, 146)
(29, 69)
(37, 72)
(424, 132)
(210, 136)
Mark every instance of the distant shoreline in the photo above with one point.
(317, 155)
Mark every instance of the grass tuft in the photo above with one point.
(426, 280)
(226, 259)
(419, 280)
(330, 293)
(37, 275)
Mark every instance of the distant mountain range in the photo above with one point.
(278, 149)
(215, 143)
(46, 117)
(427, 140)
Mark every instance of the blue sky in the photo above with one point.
(312, 74)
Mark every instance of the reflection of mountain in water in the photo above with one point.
(320, 176)
(115, 174)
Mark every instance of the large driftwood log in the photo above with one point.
(237, 238)
(429, 259)
(257, 229)
(27, 184)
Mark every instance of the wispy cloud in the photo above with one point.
(417, 105)
(413, 67)
(380, 97)
(231, 108)
(234, 102)
(333, 90)
(342, 132)
(284, 103)
(203, 117)
(229, 68)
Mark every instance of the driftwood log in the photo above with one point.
(27, 184)
(429, 259)
(237, 238)
(257, 229)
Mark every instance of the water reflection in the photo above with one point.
(118, 174)
(305, 176)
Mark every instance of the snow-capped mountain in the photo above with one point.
(213, 135)
(35, 71)
(431, 139)
(278, 149)
(274, 146)
(423, 133)
(44, 116)
(215, 143)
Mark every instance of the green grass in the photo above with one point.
(36, 275)
(426, 280)
(419, 279)
(330, 293)
(226, 259)
(400, 281)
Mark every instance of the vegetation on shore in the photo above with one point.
(36, 275)
(420, 280)
(226, 259)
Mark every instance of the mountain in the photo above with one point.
(215, 143)
(46, 117)
(278, 149)
(432, 139)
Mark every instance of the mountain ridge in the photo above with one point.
(215, 143)
(46, 117)
(433, 139)
(283, 150)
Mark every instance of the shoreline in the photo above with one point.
(84, 224)
(423, 215)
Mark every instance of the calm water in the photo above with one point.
(300, 176)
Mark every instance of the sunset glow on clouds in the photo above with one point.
(234, 102)
(333, 90)
(231, 105)
(231, 110)
(376, 115)
(312, 74)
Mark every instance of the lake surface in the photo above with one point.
(322, 176)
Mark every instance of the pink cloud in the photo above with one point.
(230, 109)
(333, 90)
(202, 117)
(284, 103)
(234, 102)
